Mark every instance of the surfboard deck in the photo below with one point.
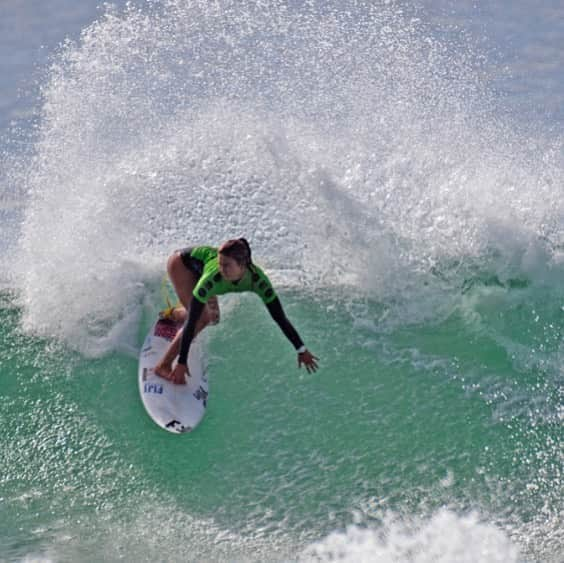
(175, 408)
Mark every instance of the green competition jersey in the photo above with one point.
(212, 283)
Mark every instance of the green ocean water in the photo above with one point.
(423, 419)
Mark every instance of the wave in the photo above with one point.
(353, 148)
(444, 537)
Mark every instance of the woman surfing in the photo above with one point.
(199, 274)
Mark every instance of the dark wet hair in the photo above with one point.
(238, 249)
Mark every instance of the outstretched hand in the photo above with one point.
(308, 360)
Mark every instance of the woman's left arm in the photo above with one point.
(304, 355)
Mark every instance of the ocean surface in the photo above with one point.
(398, 167)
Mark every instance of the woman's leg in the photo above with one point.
(184, 282)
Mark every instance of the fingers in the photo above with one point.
(313, 363)
(310, 362)
(311, 367)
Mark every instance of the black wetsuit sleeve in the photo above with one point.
(196, 308)
(277, 313)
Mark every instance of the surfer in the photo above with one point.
(201, 273)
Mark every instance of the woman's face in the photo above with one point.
(230, 269)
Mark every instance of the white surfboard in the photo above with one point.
(176, 408)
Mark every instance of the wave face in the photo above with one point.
(413, 225)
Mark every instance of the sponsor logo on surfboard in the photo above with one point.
(165, 329)
(155, 388)
(177, 425)
(201, 395)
